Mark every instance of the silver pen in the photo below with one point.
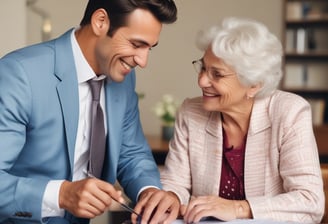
(124, 206)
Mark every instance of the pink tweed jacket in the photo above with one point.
(282, 170)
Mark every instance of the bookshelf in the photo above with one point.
(305, 29)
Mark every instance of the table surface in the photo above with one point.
(159, 148)
(157, 144)
(239, 221)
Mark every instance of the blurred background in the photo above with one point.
(300, 24)
(169, 69)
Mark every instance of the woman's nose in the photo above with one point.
(203, 80)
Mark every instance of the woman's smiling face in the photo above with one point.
(224, 91)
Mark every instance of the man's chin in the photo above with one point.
(119, 77)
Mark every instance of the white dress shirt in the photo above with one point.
(50, 205)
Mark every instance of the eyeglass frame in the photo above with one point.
(200, 69)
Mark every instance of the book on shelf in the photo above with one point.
(318, 110)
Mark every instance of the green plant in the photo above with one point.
(166, 109)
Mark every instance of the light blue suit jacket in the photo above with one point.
(39, 110)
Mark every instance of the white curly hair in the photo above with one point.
(249, 48)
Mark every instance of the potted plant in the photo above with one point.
(166, 109)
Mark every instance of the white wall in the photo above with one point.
(64, 14)
(12, 25)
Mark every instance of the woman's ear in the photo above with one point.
(100, 22)
(253, 90)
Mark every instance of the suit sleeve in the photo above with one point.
(136, 166)
(20, 195)
(176, 174)
(302, 197)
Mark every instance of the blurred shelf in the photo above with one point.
(321, 135)
(314, 55)
(307, 22)
(308, 91)
(159, 148)
(305, 30)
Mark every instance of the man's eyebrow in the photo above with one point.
(142, 42)
(155, 44)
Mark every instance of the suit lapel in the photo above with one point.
(114, 112)
(213, 144)
(256, 153)
(256, 149)
(67, 91)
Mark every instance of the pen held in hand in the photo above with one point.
(127, 208)
(124, 206)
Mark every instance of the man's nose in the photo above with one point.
(141, 58)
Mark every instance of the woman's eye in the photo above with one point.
(217, 75)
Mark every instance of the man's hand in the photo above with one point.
(156, 206)
(87, 198)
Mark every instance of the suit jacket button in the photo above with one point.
(19, 214)
(23, 214)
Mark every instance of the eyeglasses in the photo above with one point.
(212, 73)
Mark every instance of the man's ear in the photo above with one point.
(100, 22)
(253, 90)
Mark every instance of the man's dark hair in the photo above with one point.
(118, 11)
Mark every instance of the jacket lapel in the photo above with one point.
(213, 144)
(256, 153)
(67, 91)
(114, 112)
(256, 148)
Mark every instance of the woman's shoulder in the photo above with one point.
(193, 107)
(192, 114)
(287, 99)
(288, 106)
(194, 101)
(194, 104)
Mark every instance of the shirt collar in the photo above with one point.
(83, 69)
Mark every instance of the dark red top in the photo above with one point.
(232, 173)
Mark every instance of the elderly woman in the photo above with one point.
(244, 149)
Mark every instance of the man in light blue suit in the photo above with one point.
(45, 119)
